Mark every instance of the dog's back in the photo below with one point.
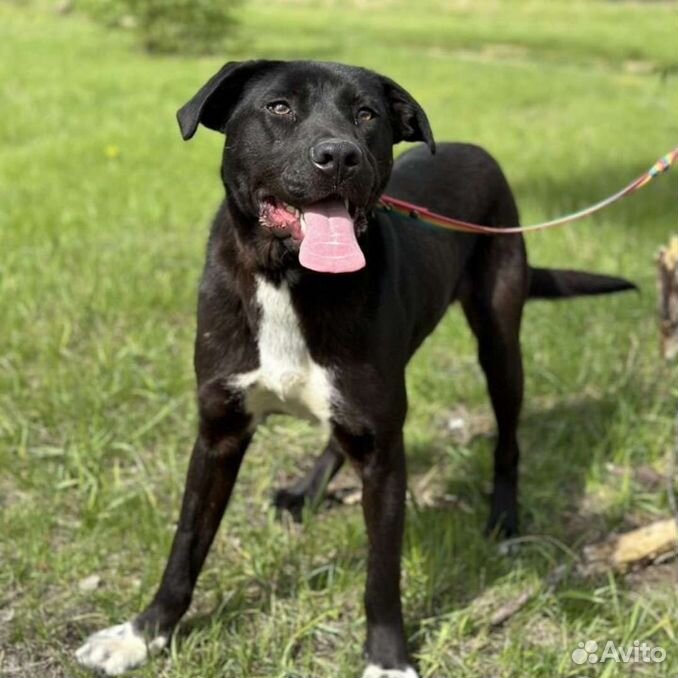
(460, 180)
(463, 181)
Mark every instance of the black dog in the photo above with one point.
(312, 302)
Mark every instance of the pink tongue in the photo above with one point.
(329, 244)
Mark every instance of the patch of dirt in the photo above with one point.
(584, 524)
(645, 476)
(21, 662)
(542, 631)
(463, 425)
(654, 577)
(10, 495)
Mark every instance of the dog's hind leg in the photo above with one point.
(309, 490)
(218, 452)
(492, 298)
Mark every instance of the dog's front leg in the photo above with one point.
(212, 472)
(380, 460)
(211, 476)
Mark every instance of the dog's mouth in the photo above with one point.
(325, 231)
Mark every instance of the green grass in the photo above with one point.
(103, 220)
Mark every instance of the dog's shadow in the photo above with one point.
(446, 545)
(557, 515)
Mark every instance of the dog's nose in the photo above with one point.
(336, 156)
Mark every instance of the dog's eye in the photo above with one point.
(279, 107)
(364, 114)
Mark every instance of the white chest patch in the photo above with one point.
(287, 380)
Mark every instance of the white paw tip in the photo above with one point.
(374, 671)
(117, 649)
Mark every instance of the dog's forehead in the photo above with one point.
(303, 76)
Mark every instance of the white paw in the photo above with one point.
(374, 671)
(117, 649)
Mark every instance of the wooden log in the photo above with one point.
(667, 286)
(637, 547)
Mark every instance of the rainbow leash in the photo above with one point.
(407, 209)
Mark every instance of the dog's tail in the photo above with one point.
(553, 283)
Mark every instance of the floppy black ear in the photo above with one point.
(213, 104)
(407, 116)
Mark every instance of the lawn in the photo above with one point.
(103, 220)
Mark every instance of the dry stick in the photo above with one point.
(510, 608)
(554, 577)
(620, 552)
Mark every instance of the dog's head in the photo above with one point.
(308, 151)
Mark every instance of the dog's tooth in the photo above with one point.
(302, 223)
(290, 208)
(346, 203)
